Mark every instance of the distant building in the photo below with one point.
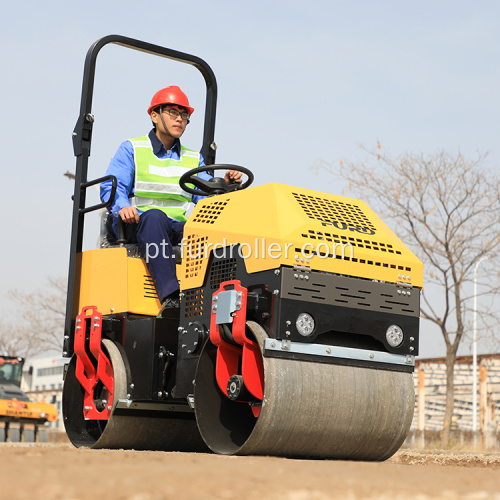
(43, 382)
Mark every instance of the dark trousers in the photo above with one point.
(156, 234)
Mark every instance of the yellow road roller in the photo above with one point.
(297, 329)
(20, 418)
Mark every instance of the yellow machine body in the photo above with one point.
(279, 225)
(114, 283)
(26, 411)
(271, 226)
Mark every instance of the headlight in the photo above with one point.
(394, 335)
(305, 324)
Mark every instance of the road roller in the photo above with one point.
(20, 418)
(296, 334)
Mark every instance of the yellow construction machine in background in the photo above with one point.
(20, 419)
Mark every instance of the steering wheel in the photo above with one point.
(216, 185)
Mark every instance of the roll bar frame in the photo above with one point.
(82, 138)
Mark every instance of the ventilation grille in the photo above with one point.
(349, 240)
(351, 292)
(346, 255)
(194, 250)
(193, 300)
(343, 247)
(222, 270)
(340, 214)
(210, 212)
(149, 288)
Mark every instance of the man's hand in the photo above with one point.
(129, 215)
(233, 176)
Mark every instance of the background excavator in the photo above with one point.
(297, 330)
(20, 418)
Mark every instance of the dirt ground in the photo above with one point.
(59, 471)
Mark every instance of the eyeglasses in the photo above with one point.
(174, 113)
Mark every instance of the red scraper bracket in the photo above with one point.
(245, 353)
(89, 374)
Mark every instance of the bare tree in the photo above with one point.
(41, 320)
(15, 340)
(447, 209)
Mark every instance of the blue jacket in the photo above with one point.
(122, 166)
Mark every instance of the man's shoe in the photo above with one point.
(170, 303)
(170, 307)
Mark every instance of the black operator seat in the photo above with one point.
(108, 239)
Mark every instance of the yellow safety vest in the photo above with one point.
(157, 179)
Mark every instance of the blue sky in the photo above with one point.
(297, 81)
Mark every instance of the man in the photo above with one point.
(148, 196)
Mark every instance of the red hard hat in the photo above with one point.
(170, 95)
